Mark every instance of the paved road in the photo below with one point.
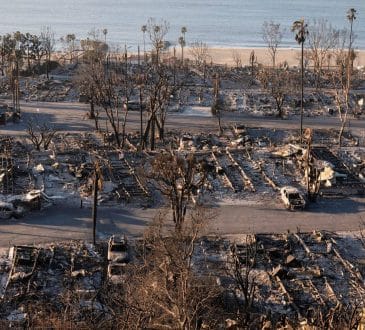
(72, 117)
(60, 223)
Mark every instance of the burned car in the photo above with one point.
(118, 249)
(116, 273)
(292, 198)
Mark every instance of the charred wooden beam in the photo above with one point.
(266, 177)
(305, 247)
(135, 176)
(226, 179)
(245, 179)
(348, 266)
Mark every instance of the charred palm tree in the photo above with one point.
(105, 32)
(182, 42)
(144, 30)
(182, 45)
(301, 31)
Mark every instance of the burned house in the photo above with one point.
(335, 177)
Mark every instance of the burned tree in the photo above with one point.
(278, 82)
(343, 75)
(321, 40)
(85, 84)
(112, 97)
(108, 87)
(166, 291)
(48, 42)
(157, 32)
(237, 59)
(157, 91)
(40, 134)
(240, 269)
(70, 46)
(93, 48)
(253, 62)
(200, 52)
(178, 179)
(90, 72)
(272, 35)
(159, 86)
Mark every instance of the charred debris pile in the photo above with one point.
(242, 163)
(293, 279)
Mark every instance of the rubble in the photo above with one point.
(336, 176)
(295, 273)
(243, 163)
(304, 275)
(47, 273)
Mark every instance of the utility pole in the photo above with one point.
(95, 202)
(15, 82)
(141, 114)
(174, 66)
(302, 95)
(140, 86)
(139, 60)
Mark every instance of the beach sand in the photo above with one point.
(225, 56)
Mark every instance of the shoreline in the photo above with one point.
(224, 55)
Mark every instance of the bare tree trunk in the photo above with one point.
(124, 123)
(147, 131)
(114, 122)
(342, 129)
(152, 133)
(47, 64)
(219, 123)
(161, 128)
(279, 107)
(96, 120)
(141, 117)
(92, 109)
(28, 59)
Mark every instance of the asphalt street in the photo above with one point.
(59, 223)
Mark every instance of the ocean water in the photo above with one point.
(222, 23)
